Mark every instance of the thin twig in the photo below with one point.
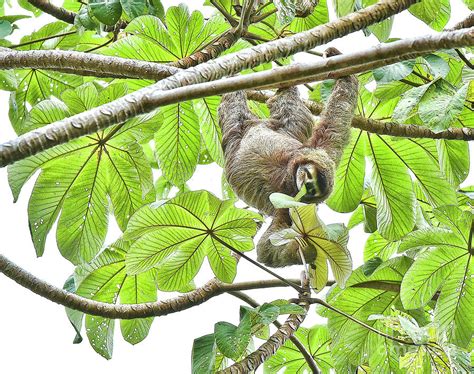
(461, 55)
(257, 264)
(353, 319)
(42, 39)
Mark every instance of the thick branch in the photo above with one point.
(53, 10)
(465, 23)
(211, 289)
(150, 98)
(380, 127)
(85, 64)
(268, 349)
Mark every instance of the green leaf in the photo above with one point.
(353, 344)
(319, 16)
(446, 266)
(106, 11)
(441, 105)
(392, 189)
(435, 13)
(34, 87)
(177, 235)
(316, 340)
(133, 8)
(105, 280)
(469, 4)
(344, 7)
(394, 72)
(204, 354)
(206, 110)
(5, 28)
(116, 167)
(378, 247)
(454, 160)
(232, 340)
(417, 157)
(437, 65)
(184, 34)
(410, 99)
(282, 201)
(329, 245)
(350, 174)
(178, 142)
(8, 81)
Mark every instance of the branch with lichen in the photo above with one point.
(151, 97)
(380, 127)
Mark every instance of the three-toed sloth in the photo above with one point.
(283, 153)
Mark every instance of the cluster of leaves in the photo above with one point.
(431, 295)
(407, 196)
(210, 352)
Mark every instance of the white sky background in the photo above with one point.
(35, 333)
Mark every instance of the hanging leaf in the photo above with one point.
(178, 142)
(435, 13)
(106, 11)
(447, 266)
(392, 190)
(441, 105)
(204, 354)
(105, 280)
(349, 178)
(134, 8)
(206, 110)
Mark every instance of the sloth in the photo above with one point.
(284, 153)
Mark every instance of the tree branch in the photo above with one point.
(53, 10)
(268, 349)
(85, 64)
(70, 300)
(307, 356)
(151, 97)
(464, 24)
(382, 128)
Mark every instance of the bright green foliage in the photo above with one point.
(176, 236)
(435, 13)
(106, 280)
(416, 283)
(316, 341)
(447, 265)
(110, 163)
(233, 341)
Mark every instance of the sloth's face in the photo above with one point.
(315, 182)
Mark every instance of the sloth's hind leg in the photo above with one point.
(282, 255)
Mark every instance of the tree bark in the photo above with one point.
(380, 127)
(150, 98)
(268, 349)
(59, 13)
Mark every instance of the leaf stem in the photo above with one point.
(257, 264)
(353, 319)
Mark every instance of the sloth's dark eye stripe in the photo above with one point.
(322, 183)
